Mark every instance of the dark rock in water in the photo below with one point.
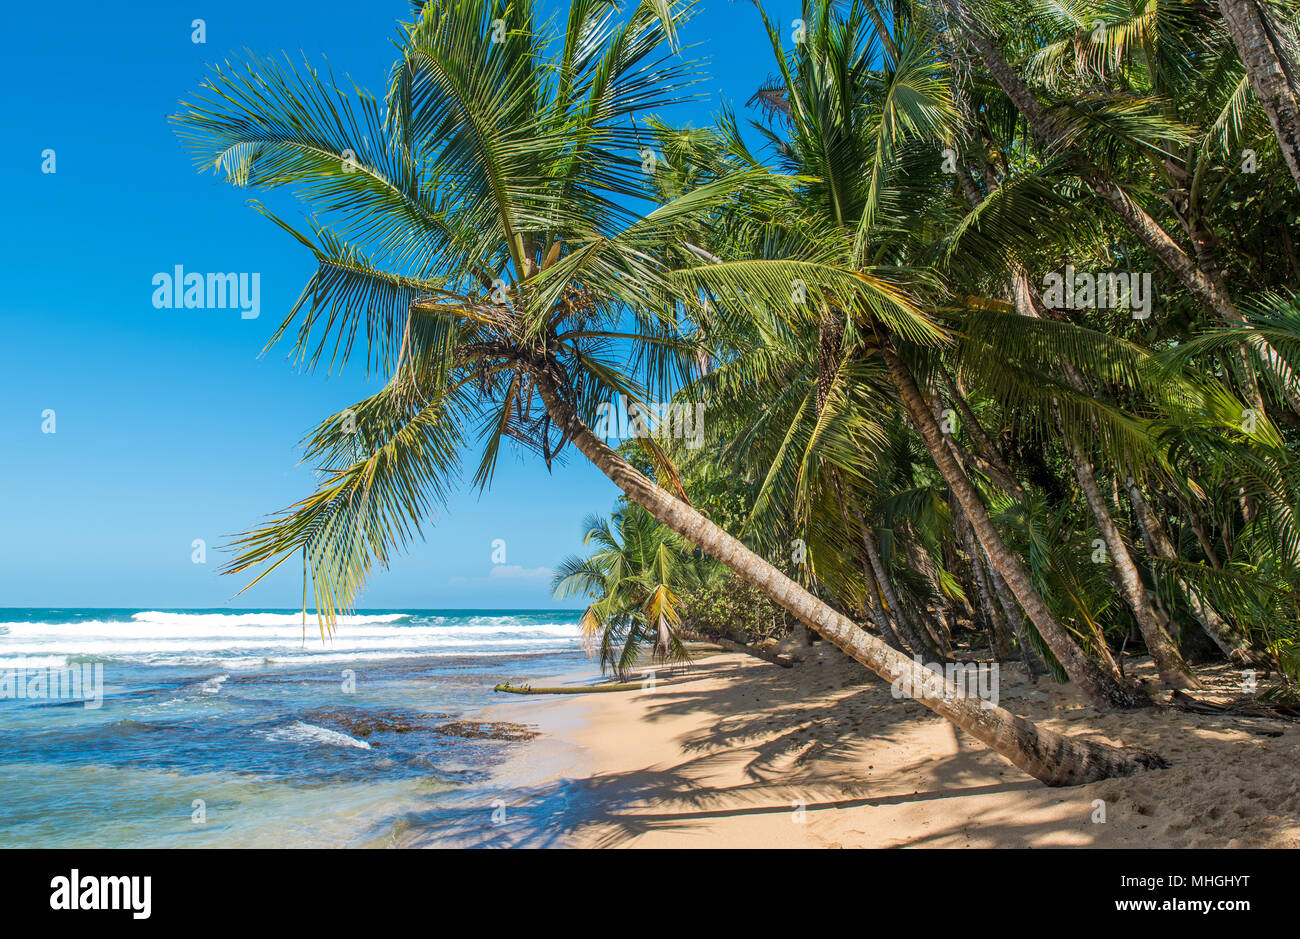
(488, 730)
(363, 722)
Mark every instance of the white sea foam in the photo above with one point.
(192, 620)
(300, 732)
(33, 661)
(248, 640)
(213, 685)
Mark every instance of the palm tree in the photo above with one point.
(1167, 51)
(1268, 47)
(1121, 119)
(636, 577)
(481, 228)
(869, 139)
(1127, 421)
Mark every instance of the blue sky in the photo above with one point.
(169, 426)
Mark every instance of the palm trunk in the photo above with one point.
(1101, 688)
(876, 612)
(986, 448)
(1147, 230)
(1000, 641)
(1271, 76)
(1174, 670)
(1230, 643)
(915, 638)
(1047, 756)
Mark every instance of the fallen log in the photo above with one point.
(570, 689)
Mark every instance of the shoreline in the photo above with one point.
(529, 786)
(732, 752)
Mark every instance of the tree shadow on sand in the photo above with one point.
(784, 740)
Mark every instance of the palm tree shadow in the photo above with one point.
(604, 810)
(775, 744)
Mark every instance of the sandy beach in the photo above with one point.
(732, 752)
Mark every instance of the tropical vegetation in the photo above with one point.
(991, 309)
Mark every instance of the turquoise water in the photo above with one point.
(222, 729)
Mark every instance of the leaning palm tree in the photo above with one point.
(635, 577)
(1114, 121)
(1174, 57)
(870, 139)
(483, 227)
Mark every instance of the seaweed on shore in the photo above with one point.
(488, 730)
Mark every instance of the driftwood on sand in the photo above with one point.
(571, 689)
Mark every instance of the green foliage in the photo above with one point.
(491, 229)
(727, 606)
(635, 577)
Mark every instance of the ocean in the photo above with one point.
(220, 728)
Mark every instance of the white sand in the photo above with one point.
(734, 752)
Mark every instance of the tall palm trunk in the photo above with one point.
(915, 636)
(1102, 688)
(1174, 670)
(1230, 643)
(1271, 76)
(996, 623)
(1046, 755)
